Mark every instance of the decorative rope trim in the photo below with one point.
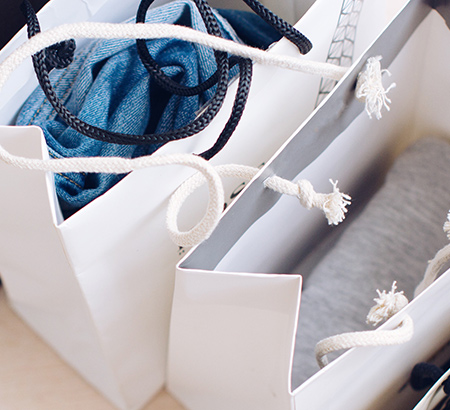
(387, 305)
(436, 264)
(187, 188)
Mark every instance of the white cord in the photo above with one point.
(333, 205)
(114, 165)
(387, 305)
(369, 87)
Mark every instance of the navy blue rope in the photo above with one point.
(61, 55)
(43, 64)
(425, 375)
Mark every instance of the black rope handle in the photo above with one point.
(282, 26)
(245, 79)
(42, 66)
(164, 81)
(154, 69)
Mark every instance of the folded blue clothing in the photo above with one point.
(107, 86)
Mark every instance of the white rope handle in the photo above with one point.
(369, 87)
(132, 31)
(387, 305)
(116, 165)
(186, 189)
(402, 334)
(333, 205)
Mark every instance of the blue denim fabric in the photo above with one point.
(108, 86)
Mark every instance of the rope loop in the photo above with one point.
(387, 305)
(282, 26)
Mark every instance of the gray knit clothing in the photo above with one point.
(395, 235)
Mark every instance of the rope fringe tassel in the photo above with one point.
(402, 334)
(387, 305)
(370, 90)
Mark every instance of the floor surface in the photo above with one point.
(33, 377)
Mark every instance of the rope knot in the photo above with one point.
(60, 55)
(369, 88)
(333, 205)
(387, 305)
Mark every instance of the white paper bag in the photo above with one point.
(236, 301)
(98, 286)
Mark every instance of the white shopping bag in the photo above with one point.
(98, 286)
(236, 302)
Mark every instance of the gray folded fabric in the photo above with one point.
(395, 235)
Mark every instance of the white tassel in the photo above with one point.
(387, 305)
(333, 205)
(369, 88)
